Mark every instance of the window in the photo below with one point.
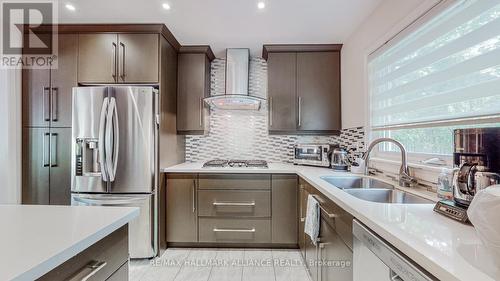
(439, 74)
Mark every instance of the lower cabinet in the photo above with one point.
(331, 257)
(107, 259)
(182, 211)
(244, 209)
(47, 166)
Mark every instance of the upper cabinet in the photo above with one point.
(47, 92)
(118, 58)
(193, 85)
(303, 88)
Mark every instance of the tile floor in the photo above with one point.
(179, 264)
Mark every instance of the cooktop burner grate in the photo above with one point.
(220, 163)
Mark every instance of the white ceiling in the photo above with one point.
(232, 23)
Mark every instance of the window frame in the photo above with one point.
(390, 161)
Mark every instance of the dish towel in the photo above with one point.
(311, 227)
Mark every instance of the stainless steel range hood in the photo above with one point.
(236, 95)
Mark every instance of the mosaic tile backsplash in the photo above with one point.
(238, 134)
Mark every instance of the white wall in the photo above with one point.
(390, 17)
(10, 136)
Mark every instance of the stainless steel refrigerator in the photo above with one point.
(114, 156)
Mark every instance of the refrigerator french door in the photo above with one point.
(114, 150)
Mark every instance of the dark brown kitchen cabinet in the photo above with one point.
(107, 259)
(46, 169)
(138, 58)
(97, 58)
(335, 237)
(282, 91)
(60, 166)
(318, 91)
(118, 58)
(36, 146)
(193, 85)
(47, 93)
(182, 212)
(284, 209)
(303, 88)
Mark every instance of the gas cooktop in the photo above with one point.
(221, 163)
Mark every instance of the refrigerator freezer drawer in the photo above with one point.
(141, 229)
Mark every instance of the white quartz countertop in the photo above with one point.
(447, 249)
(35, 239)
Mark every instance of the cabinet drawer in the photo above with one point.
(121, 274)
(110, 253)
(226, 230)
(235, 203)
(235, 181)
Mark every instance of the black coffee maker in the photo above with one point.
(477, 159)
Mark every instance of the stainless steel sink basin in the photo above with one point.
(348, 182)
(387, 196)
(373, 190)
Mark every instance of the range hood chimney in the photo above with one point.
(236, 95)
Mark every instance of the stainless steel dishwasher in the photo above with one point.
(375, 259)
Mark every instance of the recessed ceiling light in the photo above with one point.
(166, 6)
(70, 7)
(261, 5)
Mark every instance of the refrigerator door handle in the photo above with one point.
(112, 139)
(101, 146)
(46, 149)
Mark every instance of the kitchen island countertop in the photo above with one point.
(36, 239)
(447, 249)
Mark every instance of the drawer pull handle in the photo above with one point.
(234, 230)
(93, 266)
(250, 204)
(332, 216)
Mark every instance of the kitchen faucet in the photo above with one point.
(404, 171)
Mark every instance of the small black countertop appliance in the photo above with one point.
(476, 159)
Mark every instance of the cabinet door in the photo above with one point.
(36, 163)
(318, 91)
(332, 249)
(60, 166)
(138, 58)
(192, 88)
(97, 54)
(284, 209)
(311, 258)
(63, 79)
(36, 97)
(182, 214)
(281, 69)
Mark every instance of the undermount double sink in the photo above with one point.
(373, 190)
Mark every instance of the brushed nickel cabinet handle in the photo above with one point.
(201, 112)
(46, 103)
(194, 196)
(54, 107)
(45, 149)
(300, 111)
(53, 150)
(113, 60)
(249, 204)
(93, 266)
(270, 111)
(122, 63)
(243, 230)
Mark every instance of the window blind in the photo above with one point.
(446, 69)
